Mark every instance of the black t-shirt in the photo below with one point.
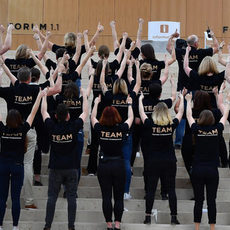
(111, 138)
(195, 58)
(13, 142)
(63, 140)
(71, 51)
(15, 64)
(157, 141)
(74, 105)
(157, 66)
(207, 144)
(207, 83)
(21, 97)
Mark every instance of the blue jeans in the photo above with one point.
(127, 152)
(14, 173)
(180, 132)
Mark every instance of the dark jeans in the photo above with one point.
(80, 145)
(153, 171)
(111, 176)
(14, 173)
(205, 176)
(69, 178)
(136, 136)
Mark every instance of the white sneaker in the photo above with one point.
(1, 228)
(127, 196)
(138, 154)
(14, 228)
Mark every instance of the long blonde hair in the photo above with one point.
(207, 66)
(120, 86)
(21, 52)
(70, 39)
(161, 115)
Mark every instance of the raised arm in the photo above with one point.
(181, 108)
(141, 109)
(34, 110)
(173, 88)
(114, 35)
(8, 40)
(226, 111)
(227, 70)
(215, 43)
(130, 71)
(94, 112)
(173, 54)
(86, 40)
(84, 61)
(164, 77)
(169, 44)
(129, 121)
(85, 108)
(220, 54)
(139, 32)
(187, 69)
(138, 77)
(91, 78)
(44, 112)
(102, 77)
(78, 48)
(219, 97)
(190, 119)
(44, 46)
(122, 47)
(12, 78)
(100, 29)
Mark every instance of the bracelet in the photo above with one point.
(221, 47)
(220, 91)
(129, 104)
(59, 74)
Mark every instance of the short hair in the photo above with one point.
(24, 74)
(148, 51)
(14, 119)
(62, 112)
(70, 40)
(192, 39)
(202, 100)
(103, 51)
(71, 90)
(161, 115)
(120, 86)
(207, 65)
(155, 90)
(127, 43)
(146, 71)
(110, 116)
(60, 52)
(35, 74)
(206, 118)
(21, 52)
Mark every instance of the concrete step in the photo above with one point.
(30, 225)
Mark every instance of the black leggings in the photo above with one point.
(153, 171)
(111, 176)
(205, 176)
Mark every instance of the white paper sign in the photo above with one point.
(161, 30)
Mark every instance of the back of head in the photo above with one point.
(110, 116)
(99, 68)
(155, 90)
(14, 119)
(71, 90)
(161, 115)
(70, 40)
(202, 100)
(103, 51)
(192, 40)
(60, 52)
(146, 71)
(207, 66)
(181, 44)
(120, 86)
(148, 51)
(127, 43)
(35, 74)
(21, 52)
(62, 112)
(206, 118)
(24, 74)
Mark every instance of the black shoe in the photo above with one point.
(164, 197)
(147, 220)
(174, 220)
(109, 228)
(37, 183)
(71, 228)
(64, 195)
(115, 228)
(46, 228)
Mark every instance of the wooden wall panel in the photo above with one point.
(29, 12)
(200, 14)
(165, 10)
(127, 13)
(4, 12)
(61, 16)
(92, 12)
(226, 17)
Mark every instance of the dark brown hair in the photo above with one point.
(99, 68)
(202, 100)
(71, 90)
(206, 118)
(103, 52)
(110, 116)
(127, 43)
(35, 74)
(14, 119)
(148, 51)
(62, 112)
